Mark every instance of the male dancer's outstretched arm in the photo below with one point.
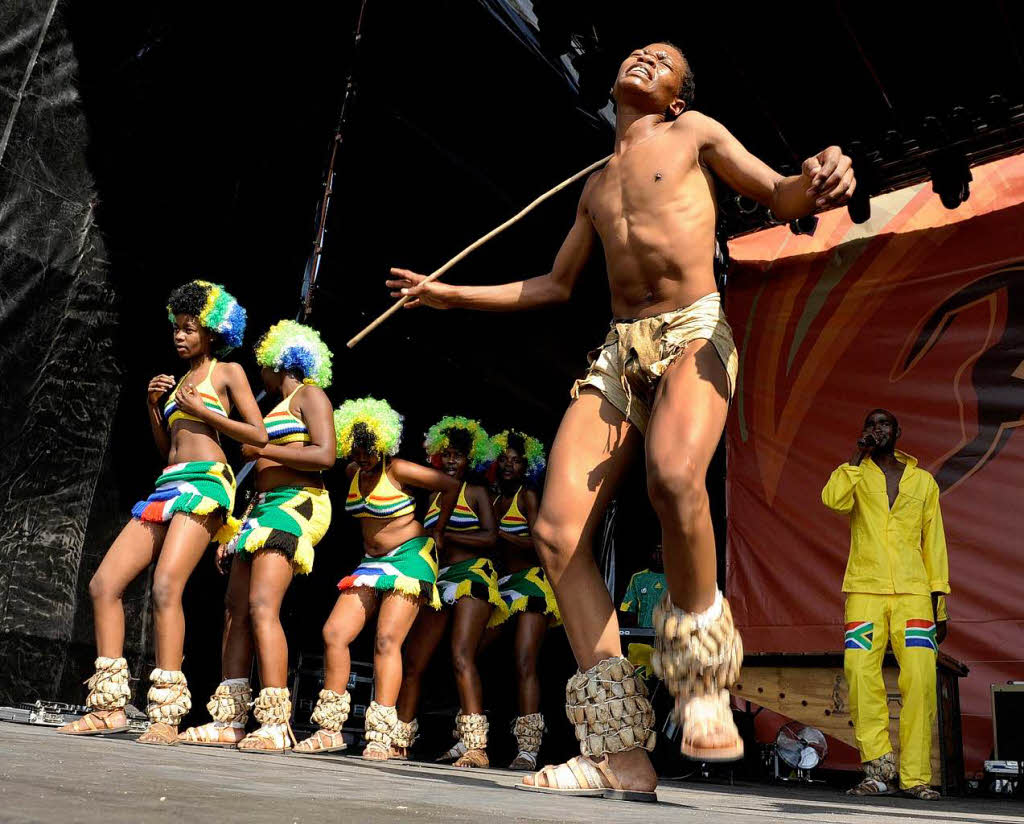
(554, 287)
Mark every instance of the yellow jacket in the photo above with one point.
(902, 552)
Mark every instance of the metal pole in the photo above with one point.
(312, 270)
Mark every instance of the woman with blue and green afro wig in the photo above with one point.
(213, 307)
(397, 575)
(468, 586)
(525, 588)
(190, 507)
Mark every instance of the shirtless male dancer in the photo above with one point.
(660, 383)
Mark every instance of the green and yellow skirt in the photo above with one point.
(410, 568)
(473, 578)
(529, 591)
(290, 520)
(197, 488)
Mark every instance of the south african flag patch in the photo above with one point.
(920, 633)
(859, 634)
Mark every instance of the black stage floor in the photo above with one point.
(45, 777)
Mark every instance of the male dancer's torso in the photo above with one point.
(653, 206)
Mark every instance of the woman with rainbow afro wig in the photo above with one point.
(396, 576)
(190, 507)
(525, 588)
(468, 585)
(288, 517)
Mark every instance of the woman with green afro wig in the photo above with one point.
(468, 585)
(287, 519)
(525, 589)
(396, 576)
(190, 507)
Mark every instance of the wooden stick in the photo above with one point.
(476, 245)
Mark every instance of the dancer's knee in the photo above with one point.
(335, 635)
(166, 592)
(102, 588)
(263, 612)
(387, 644)
(526, 665)
(462, 662)
(676, 487)
(555, 544)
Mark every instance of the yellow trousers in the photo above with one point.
(907, 622)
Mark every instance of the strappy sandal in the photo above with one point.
(473, 758)
(706, 718)
(269, 740)
(376, 751)
(96, 722)
(524, 761)
(922, 792)
(211, 734)
(314, 745)
(581, 776)
(159, 733)
(871, 786)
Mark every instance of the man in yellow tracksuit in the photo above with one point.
(896, 577)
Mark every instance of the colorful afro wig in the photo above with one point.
(369, 424)
(529, 447)
(294, 347)
(214, 307)
(464, 434)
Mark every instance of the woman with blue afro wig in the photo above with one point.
(190, 507)
(289, 517)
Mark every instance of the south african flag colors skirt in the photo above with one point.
(410, 568)
(196, 487)
(473, 578)
(529, 591)
(290, 520)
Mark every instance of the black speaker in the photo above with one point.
(1007, 729)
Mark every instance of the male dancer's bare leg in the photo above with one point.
(592, 450)
(687, 420)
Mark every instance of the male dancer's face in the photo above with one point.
(650, 78)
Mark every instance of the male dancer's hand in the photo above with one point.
(405, 283)
(830, 175)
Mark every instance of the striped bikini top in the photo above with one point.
(513, 522)
(206, 391)
(463, 518)
(384, 502)
(284, 427)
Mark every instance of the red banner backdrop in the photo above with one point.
(920, 311)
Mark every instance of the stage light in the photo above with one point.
(804, 225)
(951, 178)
